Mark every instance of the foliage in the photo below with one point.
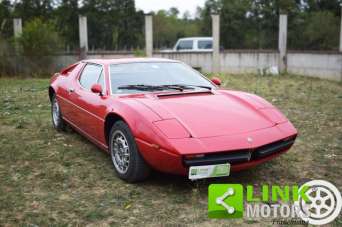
(113, 24)
(67, 23)
(39, 39)
(314, 31)
(31, 53)
(117, 25)
(254, 23)
(168, 28)
(139, 53)
(5, 22)
(7, 66)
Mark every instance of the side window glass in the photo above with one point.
(101, 80)
(185, 45)
(90, 75)
(205, 44)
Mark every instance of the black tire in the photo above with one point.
(137, 169)
(57, 120)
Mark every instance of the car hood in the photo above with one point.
(209, 114)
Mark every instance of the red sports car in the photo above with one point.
(162, 114)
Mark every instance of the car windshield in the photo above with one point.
(155, 76)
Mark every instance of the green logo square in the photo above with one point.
(225, 201)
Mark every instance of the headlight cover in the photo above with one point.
(274, 115)
(172, 129)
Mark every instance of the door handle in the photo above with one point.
(70, 90)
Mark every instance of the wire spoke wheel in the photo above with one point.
(120, 152)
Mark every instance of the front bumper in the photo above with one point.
(236, 150)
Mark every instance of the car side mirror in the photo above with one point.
(216, 81)
(97, 89)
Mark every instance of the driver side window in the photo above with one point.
(90, 76)
(101, 80)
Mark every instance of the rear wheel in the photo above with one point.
(56, 114)
(129, 165)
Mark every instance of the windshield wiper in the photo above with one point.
(190, 86)
(144, 87)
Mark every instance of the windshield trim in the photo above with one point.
(151, 92)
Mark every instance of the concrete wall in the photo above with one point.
(232, 61)
(247, 62)
(315, 64)
(323, 65)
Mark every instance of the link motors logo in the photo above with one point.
(316, 202)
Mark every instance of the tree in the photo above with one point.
(66, 17)
(113, 24)
(39, 39)
(5, 22)
(323, 5)
(29, 9)
(173, 11)
(312, 24)
(314, 31)
(168, 28)
(116, 24)
(186, 15)
(210, 7)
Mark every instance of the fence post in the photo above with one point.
(149, 35)
(341, 31)
(17, 27)
(83, 36)
(18, 31)
(282, 42)
(216, 43)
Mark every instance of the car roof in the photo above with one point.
(126, 60)
(197, 38)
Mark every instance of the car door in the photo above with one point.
(90, 107)
(65, 92)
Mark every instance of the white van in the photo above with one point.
(197, 44)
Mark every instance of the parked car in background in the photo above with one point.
(199, 44)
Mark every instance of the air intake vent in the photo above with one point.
(178, 94)
(241, 156)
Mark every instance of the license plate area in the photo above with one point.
(209, 171)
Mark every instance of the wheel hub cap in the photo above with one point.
(120, 152)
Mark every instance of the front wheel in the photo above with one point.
(56, 114)
(129, 165)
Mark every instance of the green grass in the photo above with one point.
(61, 178)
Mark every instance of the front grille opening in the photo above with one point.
(220, 158)
(240, 156)
(272, 148)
